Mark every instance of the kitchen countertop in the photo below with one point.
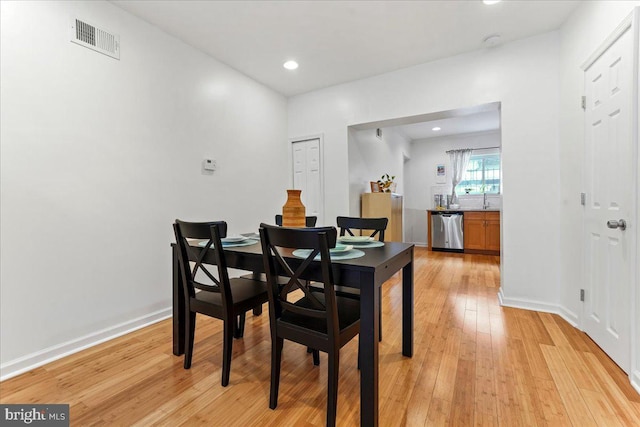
(465, 210)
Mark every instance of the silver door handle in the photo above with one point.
(621, 224)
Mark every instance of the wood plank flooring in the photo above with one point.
(474, 363)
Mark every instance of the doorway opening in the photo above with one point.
(414, 150)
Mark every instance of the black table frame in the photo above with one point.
(367, 273)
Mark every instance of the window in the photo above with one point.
(482, 174)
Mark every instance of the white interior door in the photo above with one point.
(610, 186)
(307, 175)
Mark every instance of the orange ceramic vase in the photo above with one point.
(293, 212)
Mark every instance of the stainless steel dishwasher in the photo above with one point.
(447, 231)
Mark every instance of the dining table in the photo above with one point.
(366, 273)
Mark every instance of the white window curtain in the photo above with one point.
(459, 160)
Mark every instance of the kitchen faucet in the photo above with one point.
(485, 205)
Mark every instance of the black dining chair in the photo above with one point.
(222, 298)
(310, 221)
(321, 321)
(375, 227)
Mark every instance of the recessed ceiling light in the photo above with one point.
(490, 2)
(436, 129)
(290, 65)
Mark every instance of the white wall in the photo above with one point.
(524, 77)
(421, 176)
(581, 35)
(370, 158)
(99, 156)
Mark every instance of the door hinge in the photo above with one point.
(581, 294)
(583, 199)
(583, 102)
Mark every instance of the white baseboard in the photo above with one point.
(42, 357)
(419, 244)
(568, 315)
(635, 380)
(527, 304)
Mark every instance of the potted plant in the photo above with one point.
(386, 183)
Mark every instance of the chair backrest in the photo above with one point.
(208, 253)
(277, 245)
(310, 221)
(376, 225)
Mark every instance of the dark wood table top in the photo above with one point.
(383, 262)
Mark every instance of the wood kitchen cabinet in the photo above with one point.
(482, 232)
(384, 205)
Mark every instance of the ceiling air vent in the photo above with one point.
(95, 38)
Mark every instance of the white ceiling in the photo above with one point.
(341, 41)
(480, 122)
(478, 118)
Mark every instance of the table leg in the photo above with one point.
(257, 311)
(407, 308)
(369, 330)
(178, 306)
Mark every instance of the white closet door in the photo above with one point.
(307, 175)
(610, 186)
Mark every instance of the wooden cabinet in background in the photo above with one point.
(493, 231)
(384, 205)
(474, 230)
(482, 232)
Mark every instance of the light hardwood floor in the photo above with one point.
(474, 363)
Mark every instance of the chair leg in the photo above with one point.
(242, 323)
(190, 329)
(239, 326)
(316, 355)
(380, 316)
(276, 359)
(227, 350)
(332, 398)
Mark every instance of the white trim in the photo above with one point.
(611, 39)
(635, 380)
(528, 304)
(320, 138)
(42, 357)
(568, 315)
(635, 251)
